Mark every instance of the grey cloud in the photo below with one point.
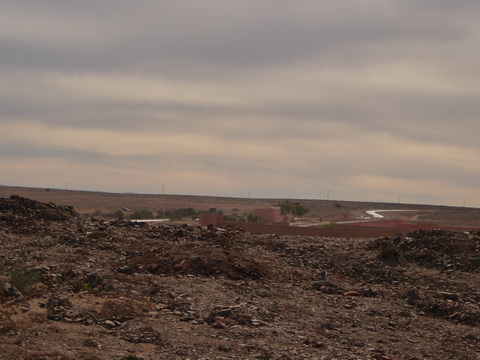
(24, 150)
(244, 49)
(251, 34)
(447, 7)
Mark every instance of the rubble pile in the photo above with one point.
(22, 215)
(75, 287)
(441, 249)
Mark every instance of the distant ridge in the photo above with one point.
(96, 202)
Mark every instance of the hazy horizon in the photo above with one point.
(399, 202)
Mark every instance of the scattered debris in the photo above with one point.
(75, 287)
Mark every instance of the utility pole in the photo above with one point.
(163, 193)
(328, 194)
(249, 193)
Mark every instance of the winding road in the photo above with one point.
(375, 213)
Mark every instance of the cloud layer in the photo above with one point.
(364, 100)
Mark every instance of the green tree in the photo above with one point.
(299, 210)
(295, 208)
(253, 217)
(286, 207)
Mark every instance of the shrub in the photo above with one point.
(119, 214)
(115, 215)
(253, 217)
(299, 210)
(329, 225)
(179, 213)
(142, 214)
(21, 279)
(87, 286)
(296, 208)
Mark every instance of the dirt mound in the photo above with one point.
(211, 263)
(25, 215)
(441, 249)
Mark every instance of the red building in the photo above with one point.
(272, 215)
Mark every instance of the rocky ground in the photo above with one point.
(74, 287)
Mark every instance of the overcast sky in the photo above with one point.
(374, 100)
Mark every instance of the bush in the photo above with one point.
(141, 214)
(329, 225)
(21, 279)
(299, 210)
(119, 214)
(253, 217)
(296, 208)
(232, 218)
(179, 213)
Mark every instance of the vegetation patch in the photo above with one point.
(21, 279)
(293, 208)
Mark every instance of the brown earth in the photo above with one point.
(75, 287)
(101, 204)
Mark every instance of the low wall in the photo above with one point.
(377, 229)
(208, 218)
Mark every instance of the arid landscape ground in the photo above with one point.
(75, 286)
(101, 204)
